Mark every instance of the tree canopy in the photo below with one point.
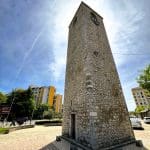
(43, 111)
(3, 98)
(23, 102)
(144, 78)
(139, 109)
(22, 105)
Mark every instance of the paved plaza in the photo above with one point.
(40, 136)
(144, 135)
(29, 139)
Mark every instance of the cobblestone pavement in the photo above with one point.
(40, 137)
(144, 135)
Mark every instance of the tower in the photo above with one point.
(95, 113)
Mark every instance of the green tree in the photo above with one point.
(38, 113)
(49, 114)
(3, 98)
(139, 109)
(58, 115)
(22, 103)
(132, 113)
(144, 78)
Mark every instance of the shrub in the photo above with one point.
(48, 114)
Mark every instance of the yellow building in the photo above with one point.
(58, 103)
(51, 95)
(47, 95)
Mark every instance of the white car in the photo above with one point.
(136, 123)
(146, 119)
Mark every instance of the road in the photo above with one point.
(40, 136)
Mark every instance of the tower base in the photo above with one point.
(70, 144)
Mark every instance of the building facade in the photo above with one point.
(51, 95)
(47, 95)
(141, 96)
(37, 93)
(58, 103)
(95, 114)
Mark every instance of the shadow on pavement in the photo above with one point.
(50, 146)
(61, 146)
(144, 148)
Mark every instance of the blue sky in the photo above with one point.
(34, 33)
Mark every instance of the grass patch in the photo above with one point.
(4, 130)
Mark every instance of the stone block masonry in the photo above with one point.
(95, 113)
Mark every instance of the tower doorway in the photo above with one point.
(73, 123)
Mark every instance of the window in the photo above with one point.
(94, 19)
(95, 53)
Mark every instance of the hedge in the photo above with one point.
(42, 122)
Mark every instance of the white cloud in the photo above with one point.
(58, 68)
(128, 94)
(122, 32)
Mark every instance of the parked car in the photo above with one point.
(136, 123)
(146, 119)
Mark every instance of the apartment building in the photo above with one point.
(47, 95)
(141, 96)
(58, 103)
(37, 93)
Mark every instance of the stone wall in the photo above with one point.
(92, 87)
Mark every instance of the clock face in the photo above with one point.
(94, 19)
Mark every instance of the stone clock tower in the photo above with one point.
(95, 113)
